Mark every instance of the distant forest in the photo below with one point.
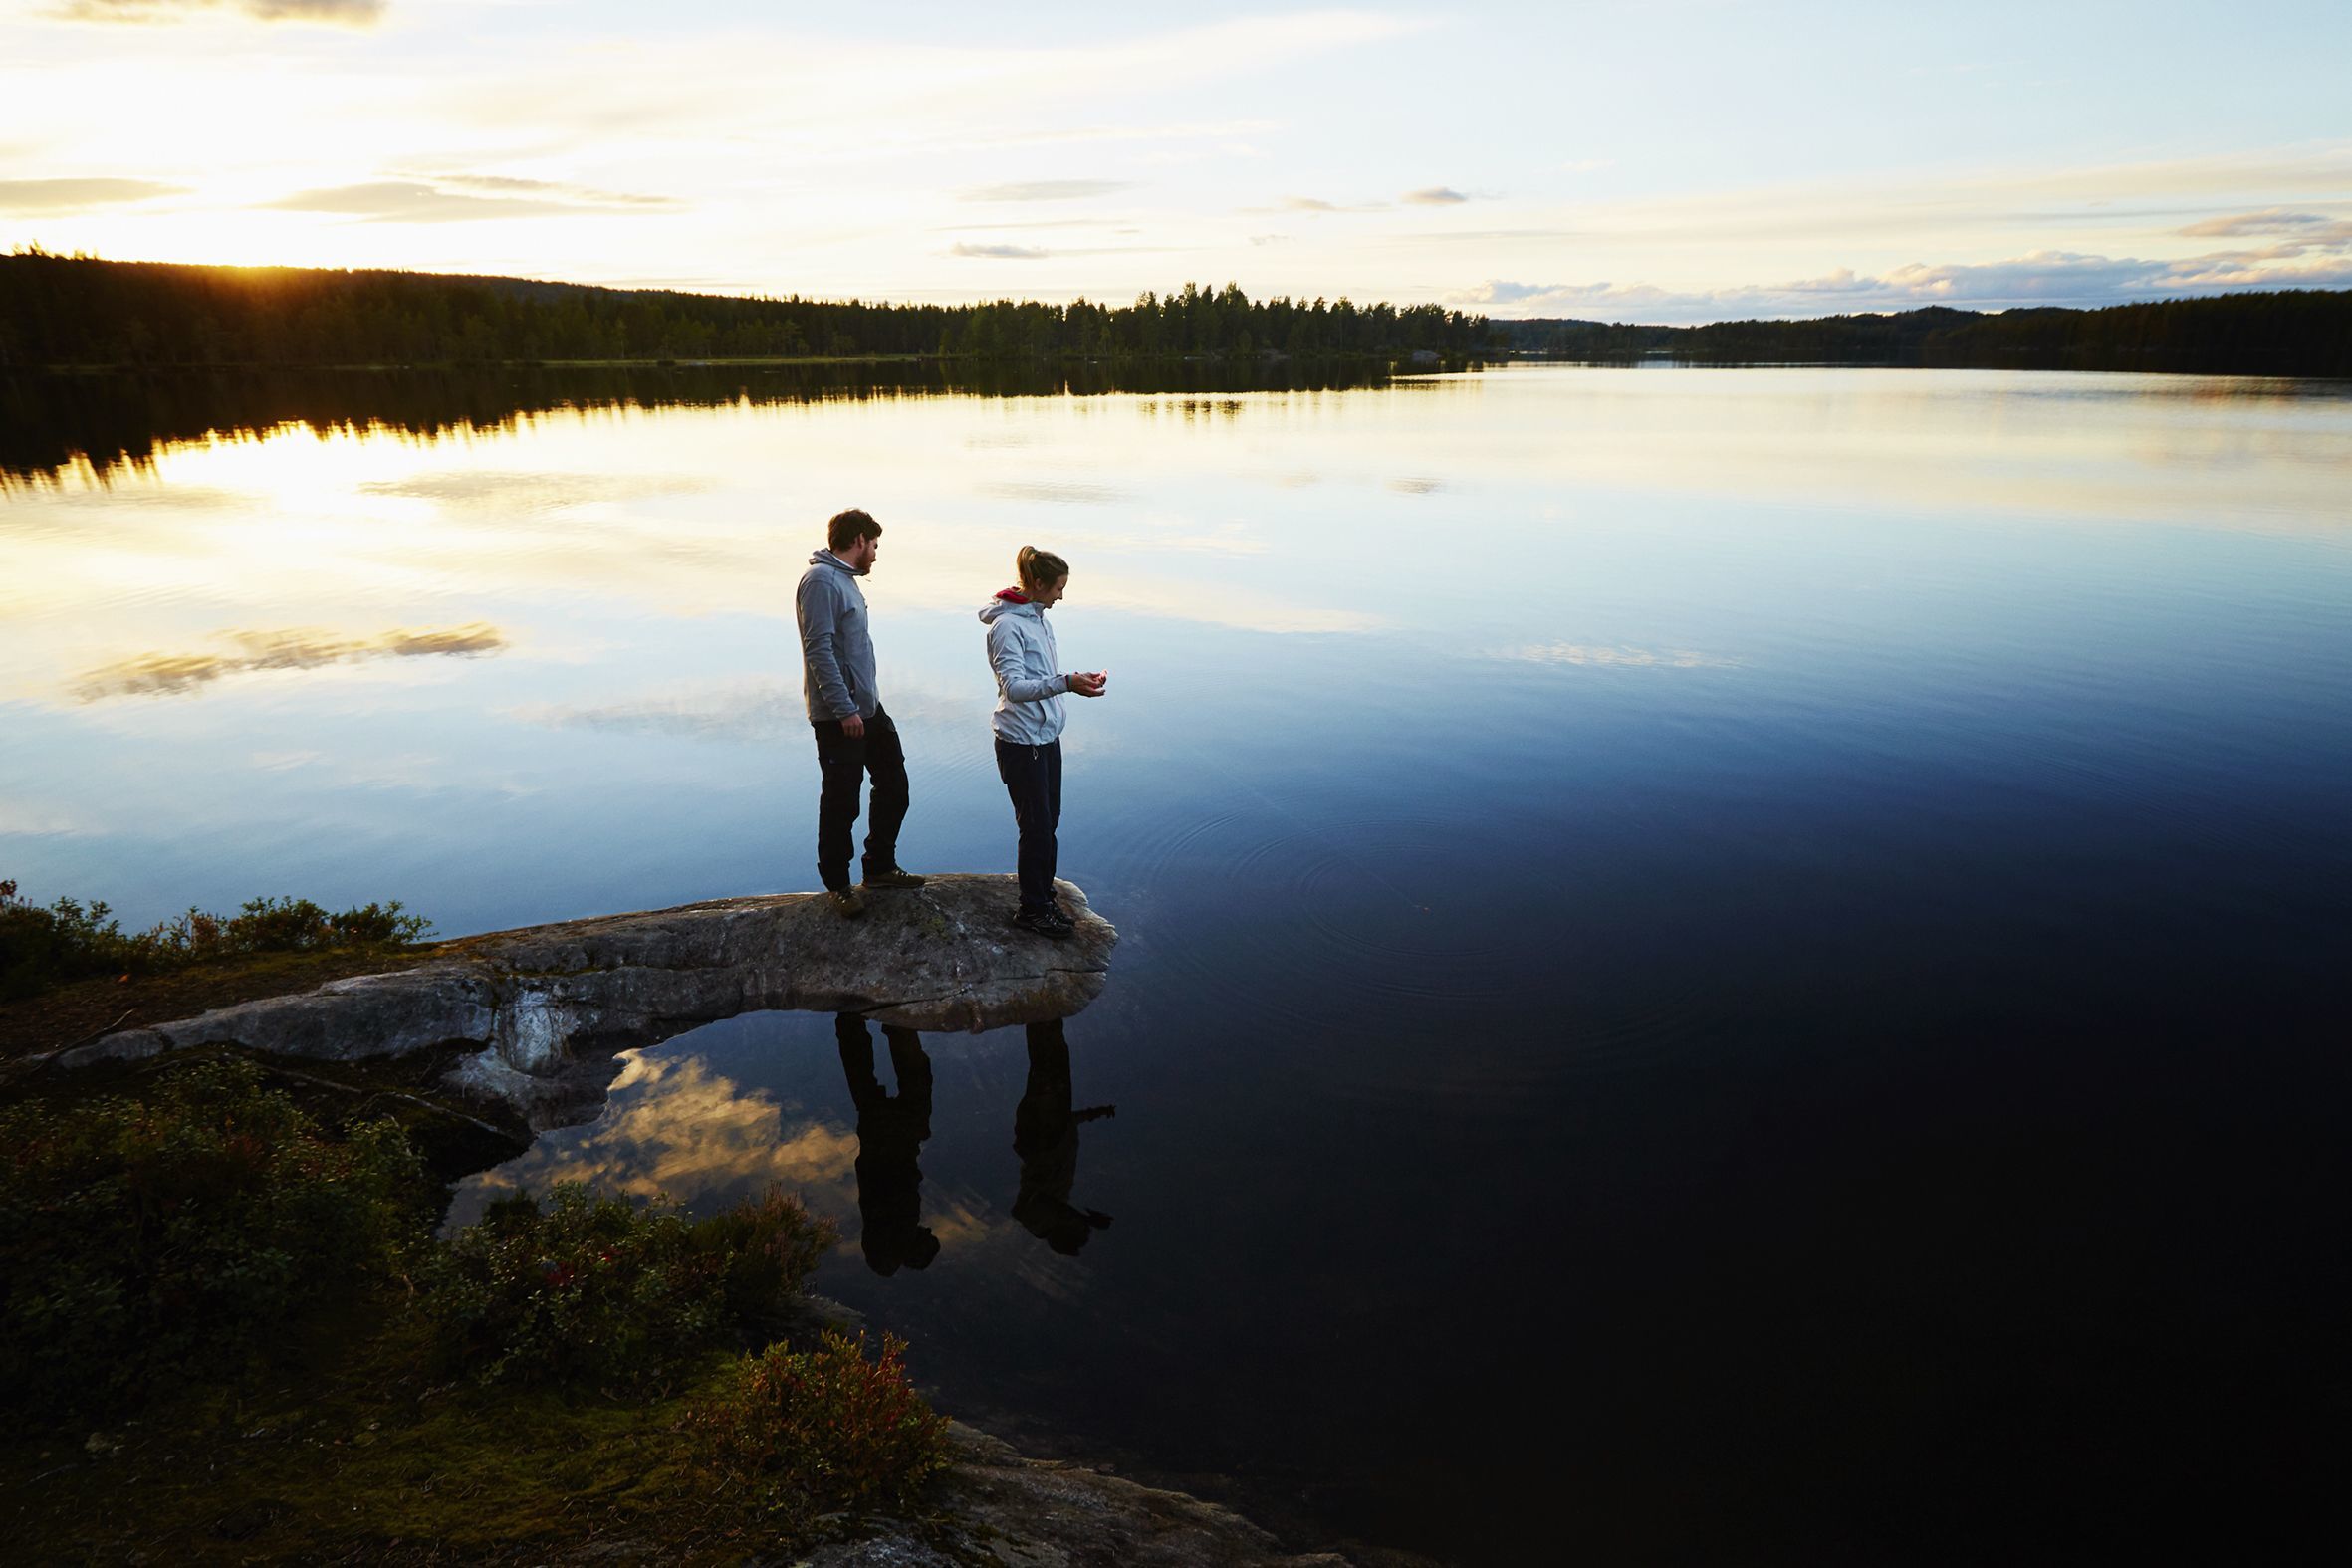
(80, 311)
(2287, 332)
(83, 312)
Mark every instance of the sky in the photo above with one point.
(1672, 161)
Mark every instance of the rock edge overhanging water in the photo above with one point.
(539, 1013)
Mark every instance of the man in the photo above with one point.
(854, 737)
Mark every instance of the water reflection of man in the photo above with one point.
(890, 1132)
(1045, 1136)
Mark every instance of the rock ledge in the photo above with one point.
(546, 1006)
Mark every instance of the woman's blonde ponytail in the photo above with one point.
(1038, 568)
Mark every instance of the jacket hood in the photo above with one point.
(1001, 606)
(825, 558)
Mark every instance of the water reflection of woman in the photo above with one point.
(1045, 1136)
(890, 1132)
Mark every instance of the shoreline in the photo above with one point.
(1074, 1502)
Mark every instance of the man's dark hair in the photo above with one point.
(848, 528)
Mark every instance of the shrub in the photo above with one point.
(285, 925)
(140, 1242)
(801, 1433)
(601, 1290)
(41, 947)
(68, 939)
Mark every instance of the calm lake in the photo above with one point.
(1716, 965)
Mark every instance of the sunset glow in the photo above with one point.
(1675, 162)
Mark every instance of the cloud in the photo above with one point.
(745, 711)
(510, 185)
(1618, 657)
(1434, 196)
(2304, 229)
(1049, 190)
(1496, 290)
(1000, 252)
(2270, 220)
(78, 195)
(334, 13)
(761, 711)
(508, 494)
(1318, 204)
(2041, 277)
(1055, 492)
(680, 1129)
(1269, 239)
(405, 201)
(1027, 223)
(178, 674)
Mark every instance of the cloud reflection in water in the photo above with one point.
(179, 674)
(678, 1129)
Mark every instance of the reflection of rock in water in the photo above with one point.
(1045, 1136)
(890, 1132)
(547, 1005)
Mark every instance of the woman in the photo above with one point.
(1028, 724)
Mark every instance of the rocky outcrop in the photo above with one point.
(1037, 1513)
(546, 1006)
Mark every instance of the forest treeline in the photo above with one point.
(84, 310)
(80, 311)
(2282, 333)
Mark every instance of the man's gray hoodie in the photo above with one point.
(1029, 684)
(837, 649)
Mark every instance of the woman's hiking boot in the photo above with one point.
(1044, 923)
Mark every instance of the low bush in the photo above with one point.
(793, 1434)
(605, 1291)
(142, 1244)
(44, 946)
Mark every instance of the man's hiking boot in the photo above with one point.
(892, 876)
(847, 902)
(1044, 923)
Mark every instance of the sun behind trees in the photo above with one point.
(82, 311)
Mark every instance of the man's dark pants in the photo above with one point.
(846, 761)
(1032, 777)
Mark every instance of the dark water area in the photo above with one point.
(1716, 965)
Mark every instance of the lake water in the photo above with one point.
(1716, 964)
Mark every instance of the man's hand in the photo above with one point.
(1087, 685)
(854, 725)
